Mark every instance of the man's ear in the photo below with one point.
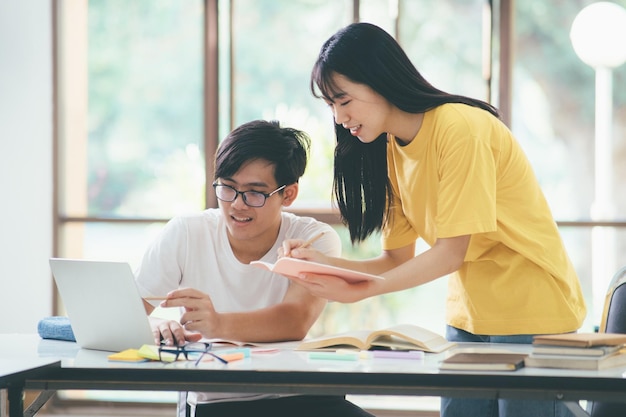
(290, 193)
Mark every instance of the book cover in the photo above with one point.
(294, 267)
(472, 361)
(400, 337)
(581, 339)
(574, 351)
(577, 362)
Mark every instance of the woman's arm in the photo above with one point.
(400, 268)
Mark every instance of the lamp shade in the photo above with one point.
(598, 35)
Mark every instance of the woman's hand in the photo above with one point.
(324, 286)
(295, 248)
(334, 288)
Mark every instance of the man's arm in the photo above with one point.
(290, 319)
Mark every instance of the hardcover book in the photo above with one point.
(581, 339)
(471, 361)
(576, 362)
(574, 351)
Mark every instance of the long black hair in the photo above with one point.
(366, 54)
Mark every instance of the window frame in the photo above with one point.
(71, 104)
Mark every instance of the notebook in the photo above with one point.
(103, 304)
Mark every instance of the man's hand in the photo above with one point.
(171, 333)
(199, 316)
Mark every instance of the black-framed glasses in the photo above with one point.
(189, 351)
(251, 198)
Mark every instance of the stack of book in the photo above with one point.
(593, 351)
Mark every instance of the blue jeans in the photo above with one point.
(471, 407)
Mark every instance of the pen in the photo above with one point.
(313, 239)
(334, 356)
(154, 298)
(398, 354)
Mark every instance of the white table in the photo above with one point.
(293, 372)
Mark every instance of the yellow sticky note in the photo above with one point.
(128, 355)
(149, 352)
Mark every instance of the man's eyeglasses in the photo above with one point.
(251, 198)
(190, 351)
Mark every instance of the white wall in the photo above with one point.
(25, 164)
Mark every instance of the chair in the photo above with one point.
(613, 321)
(614, 314)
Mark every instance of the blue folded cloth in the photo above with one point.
(56, 327)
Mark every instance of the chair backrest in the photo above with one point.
(613, 321)
(614, 314)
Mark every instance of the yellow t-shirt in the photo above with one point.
(464, 173)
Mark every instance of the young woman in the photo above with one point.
(415, 162)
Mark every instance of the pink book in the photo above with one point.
(293, 267)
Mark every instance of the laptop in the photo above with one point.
(103, 304)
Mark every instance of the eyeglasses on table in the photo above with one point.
(190, 351)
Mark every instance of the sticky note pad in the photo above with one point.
(128, 355)
(149, 352)
(233, 356)
(245, 351)
(334, 356)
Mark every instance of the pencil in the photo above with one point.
(313, 239)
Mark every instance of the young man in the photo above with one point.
(201, 261)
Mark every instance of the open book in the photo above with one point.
(400, 337)
(294, 267)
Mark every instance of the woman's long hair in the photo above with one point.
(366, 54)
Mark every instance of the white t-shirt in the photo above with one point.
(193, 251)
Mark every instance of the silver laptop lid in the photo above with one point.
(103, 304)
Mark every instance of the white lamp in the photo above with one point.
(598, 36)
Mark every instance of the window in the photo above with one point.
(553, 118)
(131, 122)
